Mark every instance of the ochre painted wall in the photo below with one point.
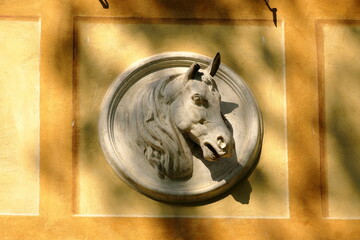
(59, 57)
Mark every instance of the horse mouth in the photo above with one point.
(210, 153)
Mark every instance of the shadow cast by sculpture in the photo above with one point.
(228, 107)
(241, 191)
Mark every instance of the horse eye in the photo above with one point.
(203, 121)
(197, 99)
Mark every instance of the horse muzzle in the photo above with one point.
(223, 146)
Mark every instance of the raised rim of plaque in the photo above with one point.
(209, 178)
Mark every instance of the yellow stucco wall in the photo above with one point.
(342, 137)
(57, 58)
(19, 111)
(244, 47)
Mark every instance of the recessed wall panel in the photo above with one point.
(19, 116)
(341, 81)
(255, 50)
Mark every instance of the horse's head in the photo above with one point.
(196, 112)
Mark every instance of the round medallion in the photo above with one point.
(180, 127)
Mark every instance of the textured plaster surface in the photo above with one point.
(255, 52)
(342, 117)
(19, 116)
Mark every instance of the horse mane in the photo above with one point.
(163, 146)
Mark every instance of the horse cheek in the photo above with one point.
(178, 115)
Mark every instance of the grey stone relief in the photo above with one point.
(164, 130)
(171, 111)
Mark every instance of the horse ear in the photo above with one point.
(214, 65)
(190, 74)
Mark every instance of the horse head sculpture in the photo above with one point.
(170, 111)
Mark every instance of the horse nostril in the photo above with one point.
(221, 143)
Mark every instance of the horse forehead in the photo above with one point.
(200, 87)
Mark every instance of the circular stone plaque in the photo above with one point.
(209, 178)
